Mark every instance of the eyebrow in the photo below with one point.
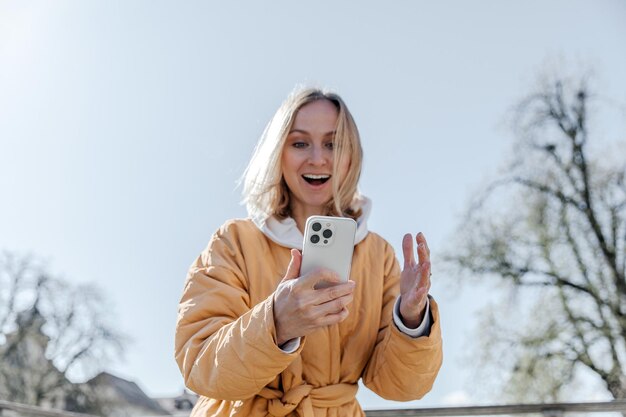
(331, 133)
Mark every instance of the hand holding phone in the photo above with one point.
(300, 308)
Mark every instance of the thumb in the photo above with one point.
(293, 270)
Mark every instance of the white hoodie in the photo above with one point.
(285, 232)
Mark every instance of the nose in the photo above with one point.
(317, 156)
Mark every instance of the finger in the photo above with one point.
(333, 306)
(420, 238)
(329, 312)
(293, 270)
(407, 250)
(423, 252)
(336, 291)
(337, 317)
(424, 274)
(320, 275)
(333, 318)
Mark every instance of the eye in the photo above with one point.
(299, 145)
(330, 145)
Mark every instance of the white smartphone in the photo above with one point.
(328, 243)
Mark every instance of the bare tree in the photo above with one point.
(50, 333)
(553, 228)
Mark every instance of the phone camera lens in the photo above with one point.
(316, 227)
(327, 233)
(315, 238)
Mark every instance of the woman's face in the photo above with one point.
(307, 159)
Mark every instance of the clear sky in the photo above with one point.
(124, 126)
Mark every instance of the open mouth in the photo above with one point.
(314, 179)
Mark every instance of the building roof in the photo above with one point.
(127, 393)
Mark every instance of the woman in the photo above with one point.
(254, 337)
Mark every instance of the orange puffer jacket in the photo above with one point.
(225, 336)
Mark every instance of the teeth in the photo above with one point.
(316, 177)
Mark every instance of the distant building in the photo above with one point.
(122, 398)
(179, 406)
(27, 376)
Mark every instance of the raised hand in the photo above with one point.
(414, 280)
(299, 308)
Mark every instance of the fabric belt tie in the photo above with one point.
(304, 397)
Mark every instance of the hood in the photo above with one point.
(285, 232)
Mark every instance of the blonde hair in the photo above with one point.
(265, 192)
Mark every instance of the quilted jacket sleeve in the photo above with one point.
(224, 347)
(402, 368)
